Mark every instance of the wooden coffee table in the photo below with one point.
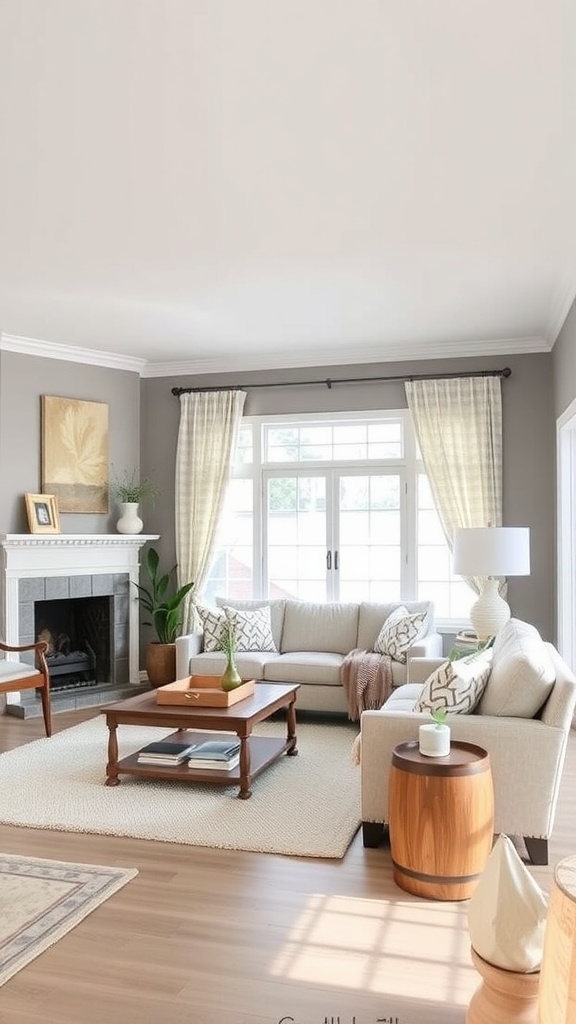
(256, 752)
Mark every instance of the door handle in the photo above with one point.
(336, 560)
(328, 559)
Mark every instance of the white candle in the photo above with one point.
(434, 740)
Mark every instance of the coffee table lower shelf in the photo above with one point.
(264, 750)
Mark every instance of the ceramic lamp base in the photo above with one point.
(490, 612)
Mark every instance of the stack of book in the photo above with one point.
(165, 753)
(221, 754)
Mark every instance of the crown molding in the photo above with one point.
(341, 357)
(69, 353)
(560, 307)
(238, 362)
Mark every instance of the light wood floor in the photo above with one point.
(217, 937)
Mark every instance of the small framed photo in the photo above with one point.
(42, 512)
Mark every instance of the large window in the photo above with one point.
(334, 509)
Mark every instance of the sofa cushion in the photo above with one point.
(213, 622)
(319, 627)
(252, 630)
(371, 617)
(522, 675)
(305, 667)
(250, 664)
(456, 686)
(276, 612)
(399, 632)
(403, 698)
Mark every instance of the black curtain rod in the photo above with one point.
(329, 381)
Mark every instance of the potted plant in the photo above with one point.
(130, 490)
(434, 739)
(165, 604)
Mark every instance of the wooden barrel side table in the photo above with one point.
(441, 818)
(557, 996)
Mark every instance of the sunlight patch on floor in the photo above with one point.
(393, 947)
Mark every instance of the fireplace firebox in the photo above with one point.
(78, 634)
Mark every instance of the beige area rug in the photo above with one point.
(42, 900)
(307, 806)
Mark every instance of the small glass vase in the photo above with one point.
(231, 677)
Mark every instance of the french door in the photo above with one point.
(334, 534)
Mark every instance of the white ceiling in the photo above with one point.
(221, 184)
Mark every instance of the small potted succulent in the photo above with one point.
(434, 738)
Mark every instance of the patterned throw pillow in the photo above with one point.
(399, 632)
(456, 686)
(252, 628)
(213, 622)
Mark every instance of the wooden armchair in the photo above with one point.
(18, 675)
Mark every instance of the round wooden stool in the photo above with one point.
(557, 998)
(441, 818)
(504, 997)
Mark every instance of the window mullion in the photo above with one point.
(332, 533)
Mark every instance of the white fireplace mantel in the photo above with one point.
(68, 554)
(25, 556)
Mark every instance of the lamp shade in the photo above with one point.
(492, 551)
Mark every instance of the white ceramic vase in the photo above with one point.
(129, 521)
(434, 740)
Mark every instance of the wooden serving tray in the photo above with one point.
(203, 691)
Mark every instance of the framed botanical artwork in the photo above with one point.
(75, 453)
(42, 512)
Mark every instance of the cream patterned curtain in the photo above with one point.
(209, 422)
(458, 423)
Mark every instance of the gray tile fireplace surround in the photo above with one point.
(55, 567)
(56, 588)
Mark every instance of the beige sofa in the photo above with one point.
(526, 753)
(312, 640)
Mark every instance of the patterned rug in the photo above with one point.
(307, 806)
(42, 900)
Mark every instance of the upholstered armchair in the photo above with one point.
(22, 675)
(527, 754)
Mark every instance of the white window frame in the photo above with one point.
(408, 466)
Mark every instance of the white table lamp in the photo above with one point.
(488, 552)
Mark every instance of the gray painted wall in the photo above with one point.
(529, 439)
(23, 379)
(144, 419)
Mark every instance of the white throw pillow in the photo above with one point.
(399, 632)
(456, 686)
(252, 630)
(213, 623)
(523, 673)
(507, 912)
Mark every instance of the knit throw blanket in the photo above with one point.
(367, 681)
